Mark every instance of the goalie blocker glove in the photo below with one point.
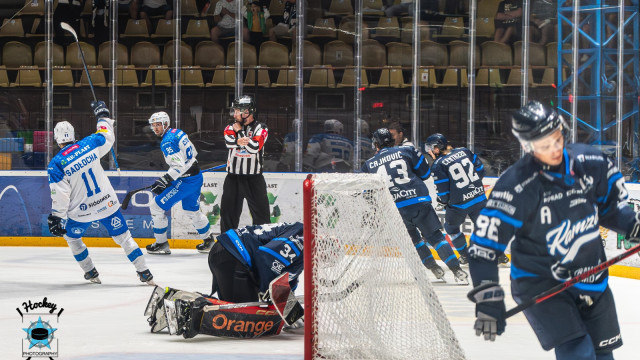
(55, 225)
(490, 310)
(100, 110)
(161, 184)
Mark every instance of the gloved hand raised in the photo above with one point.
(161, 184)
(55, 225)
(490, 310)
(100, 110)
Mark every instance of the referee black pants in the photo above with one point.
(236, 188)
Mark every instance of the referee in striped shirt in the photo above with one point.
(245, 140)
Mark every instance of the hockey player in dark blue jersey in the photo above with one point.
(549, 206)
(457, 174)
(405, 171)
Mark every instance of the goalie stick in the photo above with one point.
(560, 287)
(70, 29)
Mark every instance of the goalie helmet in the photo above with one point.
(242, 103)
(535, 121)
(160, 116)
(435, 141)
(382, 138)
(333, 126)
(63, 133)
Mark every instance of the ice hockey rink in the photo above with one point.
(106, 321)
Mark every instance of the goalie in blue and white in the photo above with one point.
(182, 182)
(81, 194)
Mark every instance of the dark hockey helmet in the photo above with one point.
(382, 138)
(242, 103)
(435, 141)
(535, 121)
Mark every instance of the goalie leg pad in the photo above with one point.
(155, 307)
(246, 323)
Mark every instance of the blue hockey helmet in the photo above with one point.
(435, 141)
(382, 138)
(535, 121)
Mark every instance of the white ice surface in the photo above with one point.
(106, 321)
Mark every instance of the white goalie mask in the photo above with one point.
(63, 133)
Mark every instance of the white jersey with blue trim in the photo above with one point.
(80, 189)
(178, 151)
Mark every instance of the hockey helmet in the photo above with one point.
(435, 141)
(535, 121)
(333, 126)
(242, 103)
(63, 133)
(160, 116)
(382, 138)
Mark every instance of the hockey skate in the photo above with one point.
(146, 277)
(178, 314)
(92, 275)
(463, 259)
(438, 273)
(159, 249)
(206, 245)
(460, 275)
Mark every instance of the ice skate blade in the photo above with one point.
(95, 280)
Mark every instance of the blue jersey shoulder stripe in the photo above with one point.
(517, 273)
(502, 216)
(237, 242)
(419, 162)
(275, 255)
(293, 246)
(415, 200)
(488, 243)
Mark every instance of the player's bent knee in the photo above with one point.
(580, 348)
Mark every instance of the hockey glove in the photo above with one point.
(490, 310)
(55, 225)
(635, 231)
(440, 206)
(161, 184)
(100, 110)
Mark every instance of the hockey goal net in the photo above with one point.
(367, 295)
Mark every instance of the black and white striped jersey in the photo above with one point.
(246, 160)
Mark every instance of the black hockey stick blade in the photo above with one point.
(127, 198)
(574, 280)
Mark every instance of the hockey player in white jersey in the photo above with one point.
(329, 151)
(182, 182)
(81, 194)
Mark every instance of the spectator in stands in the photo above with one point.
(508, 21)
(286, 28)
(155, 8)
(68, 11)
(130, 6)
(224, 16)
(543, 16)
(397, 132)
(256, 17)
(427, 7)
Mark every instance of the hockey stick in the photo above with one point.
(68, 28)
(214, 168)
(560, 287)
(127, 198)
